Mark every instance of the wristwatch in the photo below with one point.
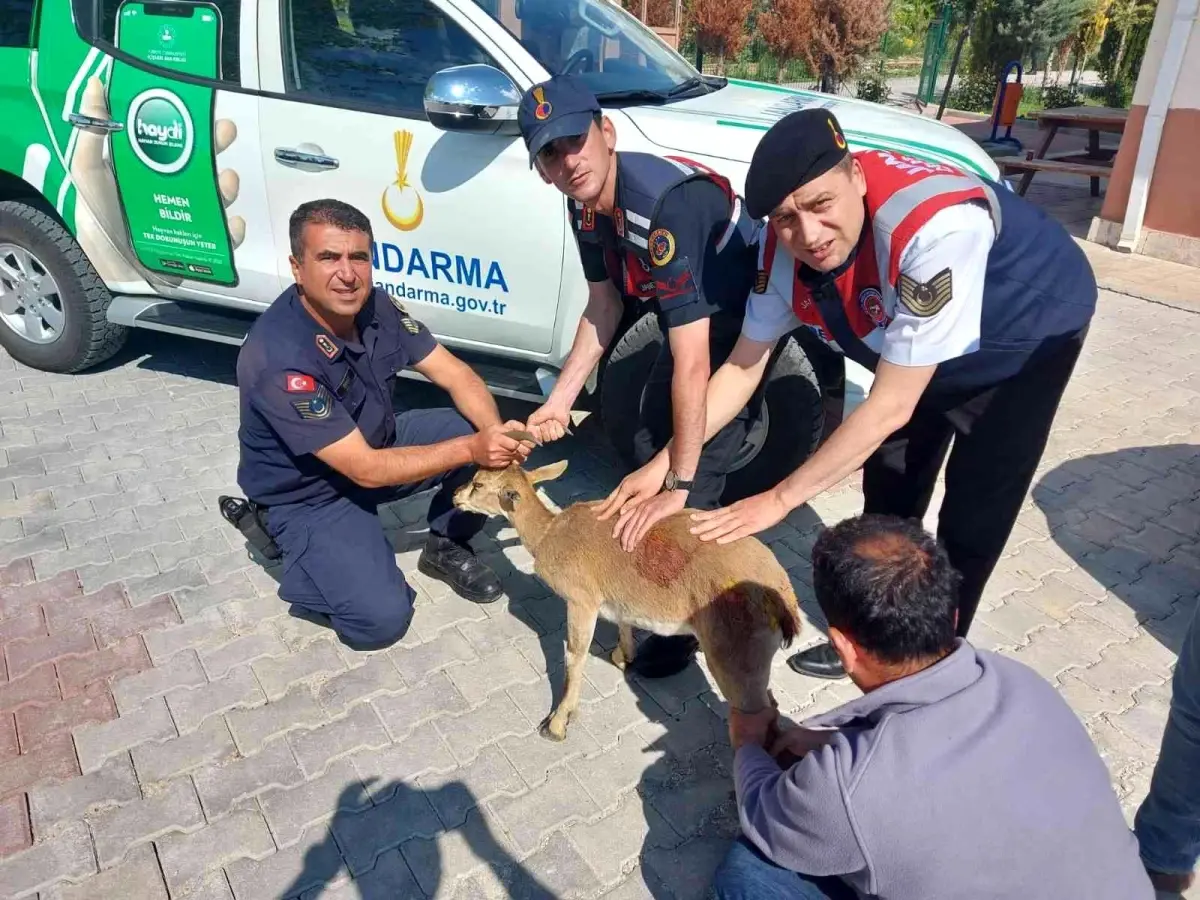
(674, 483)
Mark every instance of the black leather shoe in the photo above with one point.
(456, 565)
(660, 656)
(820, 661)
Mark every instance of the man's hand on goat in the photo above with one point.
(793, 744)
(492, 448)
(549, 422)
(635, 488)
(636, 521)
(751, 728)
(744, 518)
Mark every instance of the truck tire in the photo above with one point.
(61, 329)
(785, 435)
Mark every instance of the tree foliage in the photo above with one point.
(719, 25)
(832, 36)
(659, 13)
(1007, 30)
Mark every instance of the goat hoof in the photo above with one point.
(547, 731)
(619, 660)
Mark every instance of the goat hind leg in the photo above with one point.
(624, 652)
(581, 626)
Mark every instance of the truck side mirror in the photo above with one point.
(475, 98)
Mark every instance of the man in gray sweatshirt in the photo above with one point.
(959, 774)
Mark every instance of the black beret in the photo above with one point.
(798, 148)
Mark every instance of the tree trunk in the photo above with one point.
(962, 39)
(1075, 68)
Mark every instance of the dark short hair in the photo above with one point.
(889, 585)
(325, 212)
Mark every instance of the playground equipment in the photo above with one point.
(1008, 98)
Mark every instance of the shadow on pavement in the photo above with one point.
(1131, 520)
(358, 828)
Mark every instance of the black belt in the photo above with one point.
(249, 518)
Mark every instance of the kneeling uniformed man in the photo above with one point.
(669, 233)
(321, 446)
(967, 302)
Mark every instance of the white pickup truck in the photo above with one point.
(153, 151)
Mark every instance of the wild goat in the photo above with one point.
(735, 598)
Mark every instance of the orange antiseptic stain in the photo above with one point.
(659, 559)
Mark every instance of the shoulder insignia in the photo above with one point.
(662, 247)
(589, 219)
(926, 298)
(326, 345)
(315, 407)
(411, 325)
(761, 279)
(619, 221)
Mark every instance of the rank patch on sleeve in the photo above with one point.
(316, 406)
(411, 325)
(326, 345)
(662, 247)
(926, 298)
(300, 384)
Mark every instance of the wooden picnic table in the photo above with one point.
(1096, 163)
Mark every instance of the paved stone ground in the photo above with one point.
(166, 726)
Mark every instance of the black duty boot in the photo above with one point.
(660, 656)
(459, 567)
(820, 661)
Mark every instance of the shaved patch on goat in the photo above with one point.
(659, 559)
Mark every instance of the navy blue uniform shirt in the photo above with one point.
(677, 238)
(303, 388)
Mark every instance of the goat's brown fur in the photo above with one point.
(736, 598)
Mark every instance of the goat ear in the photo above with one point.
(548, 473)
(508, 499)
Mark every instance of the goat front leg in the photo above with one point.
(625, 650)
(581, 625)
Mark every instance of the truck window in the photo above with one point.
(371, 53)
(96, 21)
(16, 23)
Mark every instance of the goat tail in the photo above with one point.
(784, 610)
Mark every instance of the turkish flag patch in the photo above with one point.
(300, 384)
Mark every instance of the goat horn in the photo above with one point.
(522, 436)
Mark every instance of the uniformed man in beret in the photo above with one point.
(322, 447)
(968, 303)
(671, 235)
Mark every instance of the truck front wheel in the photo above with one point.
(53, 304)
(785, 435)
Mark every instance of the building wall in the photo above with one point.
(1173, 204)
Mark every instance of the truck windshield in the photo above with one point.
(607, 47)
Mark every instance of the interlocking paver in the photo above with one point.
(173, 807)
(203, 631)
(278, 675)
(556, 804)
(191, 706)
(15, 832)
(441, 864)
(138, 876)
(55, 760)
(220, 659)
(95, 743)
(210, 743)
(453, 794)
(291, 810)
(376, 676)
(389, 878)
(65, 857)
(38, 725)
(418, 662)
(366, 835)
(126, 657)
(612, 843)
(180, 671)
(112, 785)
(24, 655)
(471, 731)
(287, 873)
(186, 858)
(401, 713)
(222, 787)
(360, 729)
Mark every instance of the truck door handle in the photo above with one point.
(92, 122)
(298, 159)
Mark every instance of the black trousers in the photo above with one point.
(999, 435)
(655, 421)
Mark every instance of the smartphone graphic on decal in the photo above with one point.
(184, 37)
